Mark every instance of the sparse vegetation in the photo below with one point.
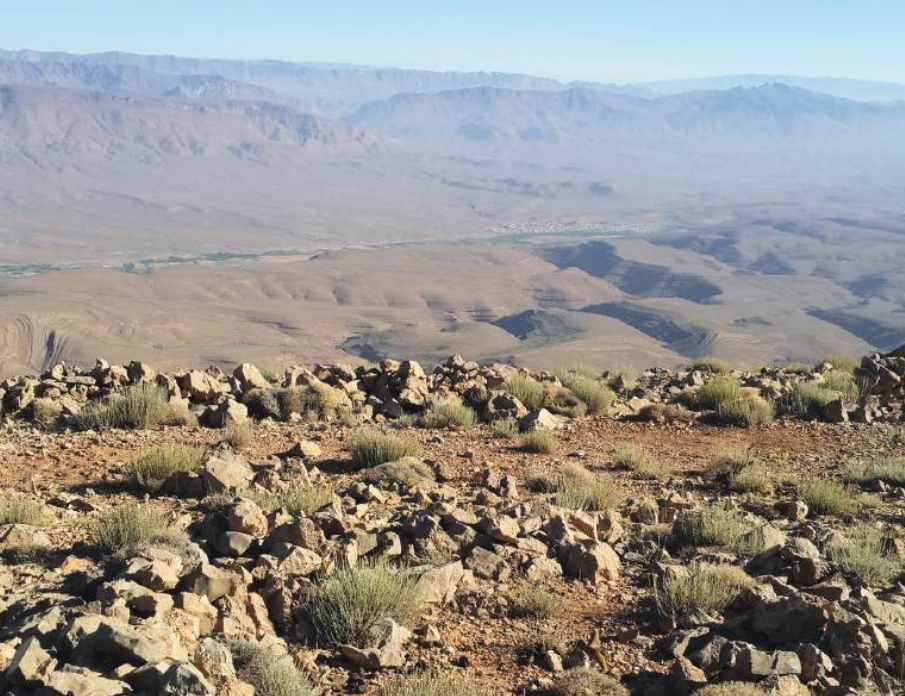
(153, 467)
(297, 498)
(349, 602)
(407, 471)
(701, 588)
(427, 684)
(730, 461)
(891, 471)
(527, 390)
(537, 603)
(20, 509)
(843, 363)
(807, 400)
(538, 442)
(864, 553)
(448, 413)
(584, 681)
(829, 497)
(372, 447)
(843, 384)
(563, 402)
(754, 478)
(239, 436)
(579, 489)
(717, 392)
(715, 366)
(142, 407)
(594, 394)
(504, 428)
(624, 374)
(745, 413)
(714, 526)
(635, 458)
(270, 673)
(126, 525)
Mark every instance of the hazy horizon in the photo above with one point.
(575, 41)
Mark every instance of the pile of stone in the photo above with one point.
(161, 618)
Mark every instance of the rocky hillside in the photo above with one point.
(472, 530)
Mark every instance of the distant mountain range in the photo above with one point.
(306, 155)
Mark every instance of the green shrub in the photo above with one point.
(807, 401)
(843, 363)
(407, 471)
(298, 498)
(271, 674)
(141, 407)
(596, 396)
(579, 489)
(427, 684)
(347, 605)
(584, 681)
(745, 413)
(127, 525)
(636, 458)
(371, 447)
(448, 413)
(863, 553)
(829, 497)
(713, 365)
(504, 428)
(527, 390)
(239, 436)
(715, 526)
(706, 588)
(536, 603)
(891, 471)
(21, 510)
(153, 467)
(538, 442)
(719, 391)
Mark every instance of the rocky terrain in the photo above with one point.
(475, 529)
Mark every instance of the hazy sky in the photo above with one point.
(607, 40)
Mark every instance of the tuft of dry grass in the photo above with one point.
(153, 467)
(807, 401)
(429, 684)
(714, 526)
(594, 394)
(371, 447)
(705, 588)
(537, 603)
(715, 366)
(830, 497)
(754, 478)
(718, 392)
(448, 413)
(584, 681)
(127, 525)
(504, 428)
(527, 390)
(891, 471)
(298, 498)
(142, 407)
(269, 673)
(347, 605)
(746, 412)
(21, 510)
(864, 553)
(239, 436)
(635, 458)
(579, 489)
(538, 442)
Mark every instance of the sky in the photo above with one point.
(602, 40)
